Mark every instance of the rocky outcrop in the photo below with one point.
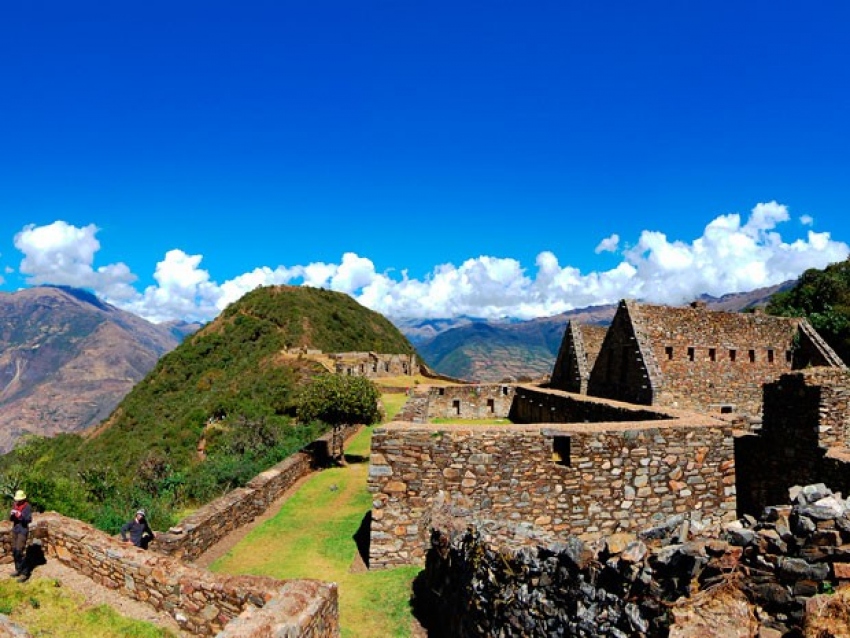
(753, 576)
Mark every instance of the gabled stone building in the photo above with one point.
(693, 358)
(576, 356)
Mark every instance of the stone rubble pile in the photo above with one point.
(625, 585)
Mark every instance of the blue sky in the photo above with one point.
(431, 159)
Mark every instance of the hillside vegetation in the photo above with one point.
(822, 296)
(211, 414)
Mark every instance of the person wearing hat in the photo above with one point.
(140, 532)
(21, 518)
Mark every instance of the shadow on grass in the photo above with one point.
(354, 459)
(361, 537)
(431, 609)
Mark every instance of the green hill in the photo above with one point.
(822, 296)
(210, 415)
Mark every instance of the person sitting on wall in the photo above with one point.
(21, 517)
(140, 532)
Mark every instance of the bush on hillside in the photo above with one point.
(823, 297)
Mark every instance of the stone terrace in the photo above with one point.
(201, 602)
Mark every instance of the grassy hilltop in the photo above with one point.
(212, 413)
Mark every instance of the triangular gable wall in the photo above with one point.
(568, 373)
(620, 371)
(812, 350)
(579, 349)
(698, 359)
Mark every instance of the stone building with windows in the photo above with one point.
(690, 357)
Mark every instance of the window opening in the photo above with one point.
(732, 355)
(690, 354)
(712, 354)
(561, 450)
(752, 354)
(669, 352)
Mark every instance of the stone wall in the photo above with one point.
(201, 602)
(695, 359)
(579, 348)
(470, 401)
(649, 583)
(803, 438)
(535, 405)
(206, 526)
(582, 479)
(373, 365)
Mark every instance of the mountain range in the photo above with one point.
(67, 359)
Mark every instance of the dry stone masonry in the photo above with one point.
(202, 603)
(585, 479)
(641, 584)
(688, 357)
(209, 524)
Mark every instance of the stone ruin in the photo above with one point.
(202, 603)
(575, 481)
(768, 576)
(687, 357)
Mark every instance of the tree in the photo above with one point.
(823, 296)
(338, 401)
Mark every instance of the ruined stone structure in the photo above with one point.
(583, 478)
(364, 364)
(692, 358)
(665, 582)
(576, 356)
(373, 365)
(202, 603)
(479, 401)
(804, 438)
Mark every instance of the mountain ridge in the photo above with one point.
(67, 358)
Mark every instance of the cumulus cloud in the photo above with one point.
(62, 254)
(731, 255)
(609, 244)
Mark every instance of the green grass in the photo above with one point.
(312, 536)
(393, 404)
(45, 608)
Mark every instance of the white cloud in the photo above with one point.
(62, 254)
(807, 220)
(608, 245)
(729, 256)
